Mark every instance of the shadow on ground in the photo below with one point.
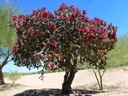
(8, 86)
(56, 92)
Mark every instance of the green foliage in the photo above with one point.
(84, 66)
(6, 74)
(7, 35)
(119, 55)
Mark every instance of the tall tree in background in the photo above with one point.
(7, 35)
(60, 40)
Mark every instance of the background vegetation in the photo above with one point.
(117, 57)
(7, 34)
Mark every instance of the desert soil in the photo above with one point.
(115, 83)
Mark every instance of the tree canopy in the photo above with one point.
(68, 34)
(60, 39)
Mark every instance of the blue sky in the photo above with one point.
(112, 11)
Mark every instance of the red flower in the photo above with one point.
(84, 11)
(45, 14)
(52, 24)
(42, 34)
(17, 28)
(60, 17)
(15, 52)
(92, 27)
(52, 65)
(37, 55)
(71, 17)
(82, 39)
(112, 35)
(54, 53)
(54, 43)
(60, 53)
(101, 48)
(87, 19)
(85, 33)
(71, 6)
(17, 32)
(14, 17)
(62, 7)
(47, 62)
(96, 19)
(35, 12)
(51, 15)
(89, 39)
(33, 32)
(100, 36)
(92, 34)
(104, 29)
(53, 28)
(113, 27)
(21, 23)
(81, 29)
(102, 22)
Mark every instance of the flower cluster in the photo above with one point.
(61, 38)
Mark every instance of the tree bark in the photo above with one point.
(1, 77)
(1, 67)
(68, 78)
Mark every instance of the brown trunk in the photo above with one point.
(68, 78)
(1, 77)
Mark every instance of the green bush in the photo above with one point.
(119, 55)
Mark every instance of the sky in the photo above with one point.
(112, 11)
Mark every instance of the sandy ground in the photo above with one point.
(115, 84)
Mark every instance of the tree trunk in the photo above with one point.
(1, 77)
(68, 78)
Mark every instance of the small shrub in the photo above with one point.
(14, 76)
(6, 74)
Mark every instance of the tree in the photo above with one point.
(61, 39)
(7, 35)
(117, 57)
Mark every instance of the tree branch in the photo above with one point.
(6, 59)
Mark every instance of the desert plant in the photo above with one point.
(7, 35)
(118, 56)
(99, 76)
(14, 76)
(61, 39)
